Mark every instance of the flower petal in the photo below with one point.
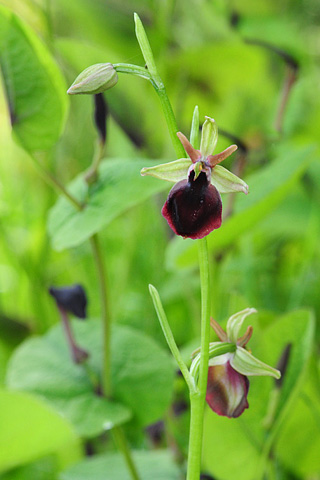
(220, 359)
(192, 152)
(246, 364)
(213, 160)
(227, 391)
(235, 322)
(227, 182)
(193, 208)
(209, 137)
(171, 171)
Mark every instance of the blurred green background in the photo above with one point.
(253, 67)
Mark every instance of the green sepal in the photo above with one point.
(215, 349)
(227, 182)
(209, 137)
(235, 323)
(94, 79)
(171, 172)
(246, 364)
(198, 167)
(194, 133)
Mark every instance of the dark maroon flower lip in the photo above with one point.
(193, 207)
(227, 391)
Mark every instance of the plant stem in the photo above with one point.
(124, 448)
(105, 314)
(56, 184)
(158, 86)
(132, 70)
(106, 367)
(171, 121)
(170, 338)
(198, 399)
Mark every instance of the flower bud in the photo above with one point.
(71, 299)
(94, 79)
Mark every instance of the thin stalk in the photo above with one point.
(77, 353)
(56, 184)
(198, 399)
(106, 367)
(105, 314)
(158, 86)
(171, 121)
(124, 448)
(170, 338)
(132, 70)
(91, 175)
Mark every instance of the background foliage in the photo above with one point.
(254, 67)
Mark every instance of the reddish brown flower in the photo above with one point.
(193, 207)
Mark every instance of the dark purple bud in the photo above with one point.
(227, 390)
(100, 115)
(72, 299)
(283, 363)
(156, 432)
(193, 207)
(206, 476)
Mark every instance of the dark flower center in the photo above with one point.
(193, 208)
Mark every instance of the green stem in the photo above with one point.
(198, 399)
(56, 184)
(132, 69)
(124, 448)
(91, 175)
(171, 121)
(106, 367)
(170, 338)
(105, 314)
(158, 86)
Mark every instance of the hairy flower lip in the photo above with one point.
(193, 207)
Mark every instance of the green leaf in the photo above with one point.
(30, 429)
(119, 187)
(156, 465)
(268, 187)
(297, 452)
(45, 468)
(142, 376)
(35, 88)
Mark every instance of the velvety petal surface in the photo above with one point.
(227, 391)
(193, 208)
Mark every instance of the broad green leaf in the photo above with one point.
(247, 437)
(268, 187)
(45, 468)
(300, 453)
(142, 375)
(30, 429)
(34, 86)
(119, 187)
(156, 465)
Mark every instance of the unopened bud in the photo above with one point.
(94, 79)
